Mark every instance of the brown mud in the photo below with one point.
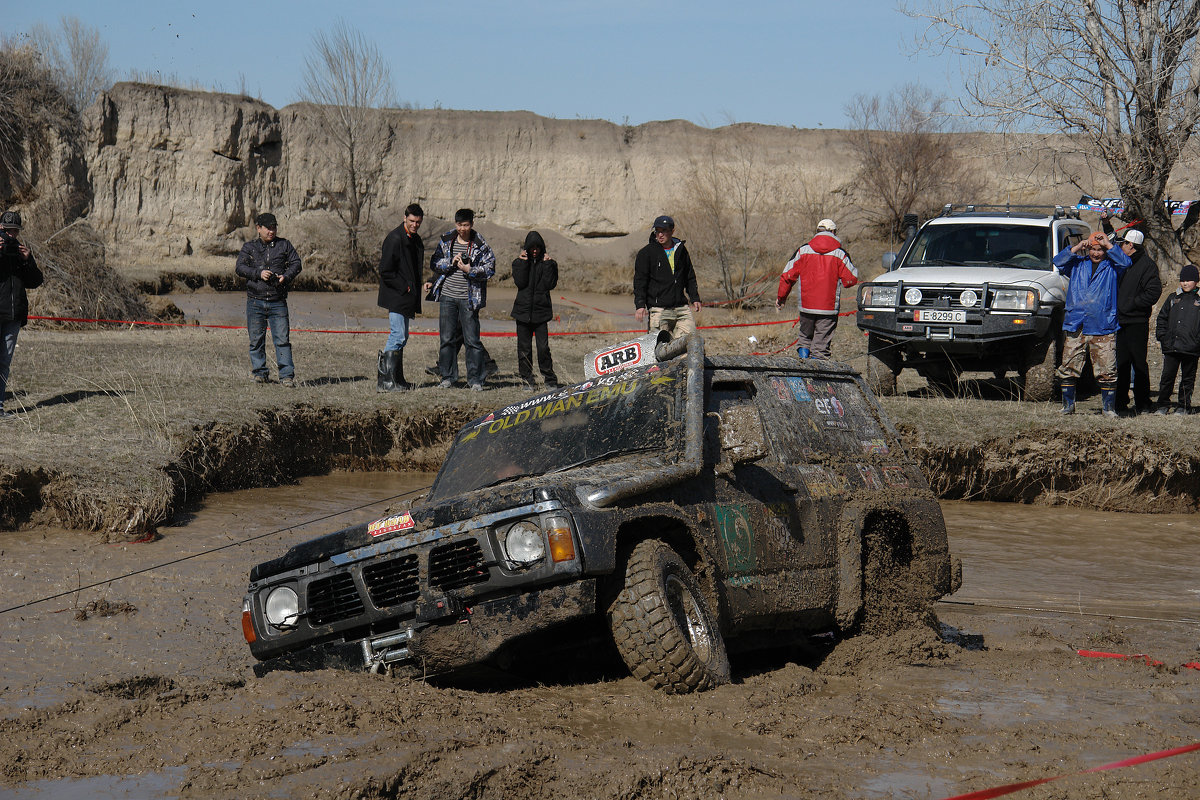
(150, 692)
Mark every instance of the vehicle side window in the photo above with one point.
(821, 415)
(1069, 237)
(733, 424)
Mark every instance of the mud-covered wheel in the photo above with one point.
(1037, 381)
(662, 625)
(883, 365)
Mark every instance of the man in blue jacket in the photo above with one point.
(1093, 267)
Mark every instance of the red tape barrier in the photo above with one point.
(1150, 662)
(1000, 791)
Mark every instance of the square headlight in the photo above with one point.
(878, 295)
(1014, 300)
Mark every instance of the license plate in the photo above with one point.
(937, 315)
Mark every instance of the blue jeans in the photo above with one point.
(260, 314)
(397, 331)
(455, 317)
(8, 345)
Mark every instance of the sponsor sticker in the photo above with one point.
(400, 522)
(618, 358)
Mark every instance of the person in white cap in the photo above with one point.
(1137, 291)
(819, 266)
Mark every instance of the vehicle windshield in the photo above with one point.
(609, 417)
(985, 244)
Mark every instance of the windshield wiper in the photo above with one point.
(935, 262)
(605, 456)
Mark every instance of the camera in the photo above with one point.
(9, 246)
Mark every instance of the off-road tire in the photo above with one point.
(882, 366)
(1037, 380)
(662, 625)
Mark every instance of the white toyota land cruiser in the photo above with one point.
(973, 289)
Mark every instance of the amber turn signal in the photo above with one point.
(562, 546)
(248, 628)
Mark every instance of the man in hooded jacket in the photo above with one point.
(818, 267)
(535, 276)
(18, 272)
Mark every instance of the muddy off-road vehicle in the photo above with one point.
(973, 290)
(684, 504)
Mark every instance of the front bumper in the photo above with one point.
(981, 333)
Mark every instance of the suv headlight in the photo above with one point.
(1014, 300)
(524, 543)
(282, 607)
(874, 295)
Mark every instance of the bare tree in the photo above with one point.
(77, 57)
(347, 78)
(1121, 77)
(908, 161)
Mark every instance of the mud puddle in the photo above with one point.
(161, 701)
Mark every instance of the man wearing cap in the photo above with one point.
(821, 267)
(18, 272)
(269, 264)
(664, 282)
(1093, 267)
(1137, 291)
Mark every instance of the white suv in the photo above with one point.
(973, 290)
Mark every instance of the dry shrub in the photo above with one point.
(79, 284)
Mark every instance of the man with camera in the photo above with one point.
(463, 263)
(269, 264)
(18, 272)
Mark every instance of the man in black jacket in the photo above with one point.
(1138, 289)
(269, 264)
(400, 293)
(18, 272)
(664, 282)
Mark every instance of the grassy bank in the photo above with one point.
(122, 428)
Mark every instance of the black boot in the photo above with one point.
(398, 381)
(387, 368)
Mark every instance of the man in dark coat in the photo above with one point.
(269, 264)
(535, 276)
(1137, 291)
(18, 272)
(400, 293)
(1178, 332)
(664, 282)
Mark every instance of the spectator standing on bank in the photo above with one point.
(463, 263)
(820, 267)
(664, 282)
(1093, 268)
(400, 292)
(535, 276)
(269, 264)
(18, 272)
(1178, 333)
(1137, 291)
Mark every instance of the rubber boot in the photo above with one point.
(1108, 400)
(803, 352)
(1068, 397)
(398, 372)
(387, 365)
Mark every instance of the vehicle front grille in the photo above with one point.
(333, 599)
(393, 581)
(454, 566)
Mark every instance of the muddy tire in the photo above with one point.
(883, 365)
(662, 625)
(1037, 382)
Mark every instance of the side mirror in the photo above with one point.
(889, 261)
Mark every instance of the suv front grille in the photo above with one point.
(333, 599)
(392, 581)
(454, 566)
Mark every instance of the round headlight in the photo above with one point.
(282, 607)
(913, 296)
(968, 298)
(524, 543)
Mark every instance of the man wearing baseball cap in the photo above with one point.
(18, 272)
(664, 282)
(269, 264)
(1138, 289)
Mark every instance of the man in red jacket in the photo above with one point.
(819, 267)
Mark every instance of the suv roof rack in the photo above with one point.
(1057, 211)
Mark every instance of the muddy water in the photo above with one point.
(158, 699)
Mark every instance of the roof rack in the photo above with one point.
(1058, 212)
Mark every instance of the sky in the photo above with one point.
(776, 62)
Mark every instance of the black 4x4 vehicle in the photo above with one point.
(689, 503)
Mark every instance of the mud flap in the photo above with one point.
(849, 568)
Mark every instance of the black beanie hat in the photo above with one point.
(1189, 273)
